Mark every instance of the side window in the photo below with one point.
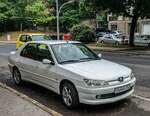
(43, 52)
(23, 38)
(109, 37)
(29, 51)
(28, 38)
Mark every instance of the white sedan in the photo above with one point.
(73, 71)
(110, 39)
(142, 40)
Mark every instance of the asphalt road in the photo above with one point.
(129, 107)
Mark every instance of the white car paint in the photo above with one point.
(110, 39)
(50, 76)
(142, 40)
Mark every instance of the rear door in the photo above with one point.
(21, 41)
(27, 62)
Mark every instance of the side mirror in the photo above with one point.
(46, 61)
(100, 55)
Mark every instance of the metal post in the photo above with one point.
(57, 10)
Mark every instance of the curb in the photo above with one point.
(34, 102)
(121, 51)
(140, 97)
(7, 42)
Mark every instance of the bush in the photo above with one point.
(83, 33)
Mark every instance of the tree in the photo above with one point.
(68, 19)
(82, 33)
(39, 13)
(89, 8)
(132, 8)
(7, 10)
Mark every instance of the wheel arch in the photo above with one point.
(66, 81)
(14, 67)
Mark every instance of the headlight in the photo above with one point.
(132, 75)
(93, 83)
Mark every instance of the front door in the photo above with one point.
(46, 73)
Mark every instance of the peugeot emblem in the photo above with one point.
(120, 79)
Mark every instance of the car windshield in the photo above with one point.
(73, 52)
(40, 37)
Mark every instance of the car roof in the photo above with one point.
(33, 34)
(52, 42)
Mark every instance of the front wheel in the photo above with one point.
(69, 95)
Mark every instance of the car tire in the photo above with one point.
(102, 42)
(69, 96)
(116, 43)
(149, 45)
(16, 77)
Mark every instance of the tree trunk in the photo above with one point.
(132, 30)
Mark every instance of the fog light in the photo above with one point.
(98, 96)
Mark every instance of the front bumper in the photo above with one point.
(107, 94)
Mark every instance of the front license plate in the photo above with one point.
(122, 89)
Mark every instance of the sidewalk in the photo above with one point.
(13, 105)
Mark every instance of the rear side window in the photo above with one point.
(23, 38)
(29, 51)
(28, 38)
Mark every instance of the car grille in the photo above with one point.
(111, 95)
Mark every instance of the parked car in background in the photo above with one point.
(100, 32)
(125, 39)
(22, 38)
(110, 39)
(142, 40)
(116, 33)
(100, 35)
(65, 68)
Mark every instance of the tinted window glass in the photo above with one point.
(29, 51)
(43, 52)
(23, 38)
(40, 37)
(28, 38)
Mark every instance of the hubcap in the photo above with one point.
(16, 76)
(66, 94)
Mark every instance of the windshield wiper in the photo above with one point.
(83, 59)
(69, 61)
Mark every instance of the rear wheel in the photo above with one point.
(69, 95)
(16, 77)
(102, 42)
(116, 43)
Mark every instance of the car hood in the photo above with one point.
(98, 69)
